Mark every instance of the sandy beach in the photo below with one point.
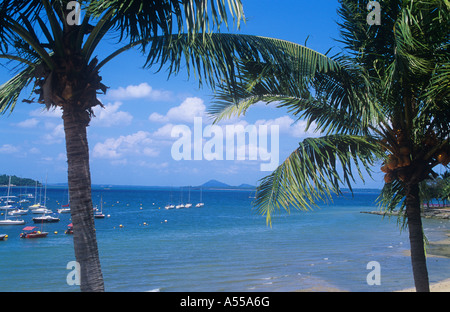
(437, 249)
(443, 286)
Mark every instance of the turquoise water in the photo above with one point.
(223, 246)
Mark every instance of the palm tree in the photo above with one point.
(56, 52)
(384, 98)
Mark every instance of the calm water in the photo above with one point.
(223, 246)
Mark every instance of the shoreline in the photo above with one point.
(427, 213)
(442, 286)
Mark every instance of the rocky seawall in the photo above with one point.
(427, 212)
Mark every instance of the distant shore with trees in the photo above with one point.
(17, 181)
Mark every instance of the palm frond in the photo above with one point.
(140, 19)
(10, 90)
(318, 168)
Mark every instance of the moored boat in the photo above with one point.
(45, 219)
(69, 229)
(32, 232)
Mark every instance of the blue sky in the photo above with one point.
(130, 140)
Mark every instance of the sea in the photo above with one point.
(224, 246)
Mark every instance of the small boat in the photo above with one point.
(179, 206)
(69, 229)
(200, 204)
(11, 222)
(8, 207)
(188, 205)
(18, 212)
(3, 237)
(45, 219)
(64, 209)
(41, 210)
(169, 207)
(99, 214)
(31, 232)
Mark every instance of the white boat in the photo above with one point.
(179, 206)
(8, 207)
(188, 205)
(42, 210)
(18, 212)
(36, 205)
(99, 214)
(200, 204)
(63, 210)
(9, 221)
(44, 218)
(169, 207)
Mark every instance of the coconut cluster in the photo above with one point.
(399, 158)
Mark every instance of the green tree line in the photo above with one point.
(4, 179)
(436, 189)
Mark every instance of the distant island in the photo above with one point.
(217, 184)
(17, 181)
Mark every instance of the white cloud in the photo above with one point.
(140, 91)
(139, 143)
(28, 123)
(111, 116)
(191, 107)
(8, 149)
(55, 136)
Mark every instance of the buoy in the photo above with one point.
(121, 225)
(6, 236)
(145, 223)
(108, 216)
(56, 232)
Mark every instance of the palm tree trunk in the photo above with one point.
(418, 258)
(84, 237)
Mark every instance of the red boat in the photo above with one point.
(69, 229)
(31, 232)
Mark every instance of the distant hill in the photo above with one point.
(4, 179)
(217, 184)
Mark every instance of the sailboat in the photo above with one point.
(44, 218)
(37, 205)
(97, 214)
(181, 205)
(65, 208)
(188, 205)
(9, 221)
(200, 204)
